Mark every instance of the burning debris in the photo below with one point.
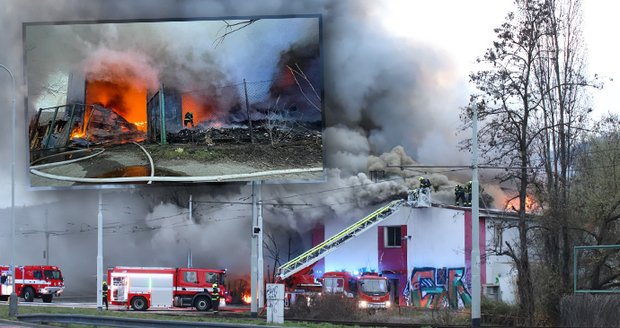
(262, 134)
(106, 126)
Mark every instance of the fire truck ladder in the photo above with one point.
(321, 250)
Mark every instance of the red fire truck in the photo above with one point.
(143, 288)
(32, 281)
(370, 289)
(301, 287)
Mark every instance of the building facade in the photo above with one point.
(426, 254)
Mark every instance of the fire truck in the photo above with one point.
(369, 289)
(296, 273)
(143, 288)
(300, 287)
(32, 281)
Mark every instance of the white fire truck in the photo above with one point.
(143, 288)
(31, 281)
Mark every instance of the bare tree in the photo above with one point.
(507, 105)
(230, 28)
(559, 76)
(596, 199)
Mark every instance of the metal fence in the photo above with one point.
(596, 269)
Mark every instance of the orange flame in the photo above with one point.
(77, 133)
(246, 298)
(126, 99)
(530, 204)
(198, 107)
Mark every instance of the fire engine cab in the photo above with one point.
(32, 281)
(143, 288)
(369, 289)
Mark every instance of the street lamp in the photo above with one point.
(13, 297)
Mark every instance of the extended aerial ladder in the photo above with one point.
(321, 250)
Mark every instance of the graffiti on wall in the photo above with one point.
(439, 287)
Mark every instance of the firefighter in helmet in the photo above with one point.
(459, 195)
(215, 298)
(425, 186)
(468, 193)
(425, 182)
(188, 119)
(104, 294)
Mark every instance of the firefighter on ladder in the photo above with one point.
(425, 185)
(215, 298)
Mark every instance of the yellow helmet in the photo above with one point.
(214, 285)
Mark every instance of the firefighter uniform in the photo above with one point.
(425, 183)
(215, 298)
(468, 194)
(104, 294)
(459, 195)
(189, 119)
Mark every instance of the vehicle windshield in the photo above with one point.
(52, 274)
(373, 286)
(333, 285)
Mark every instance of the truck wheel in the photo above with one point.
(202, 303)
(138, 303)
(47, 298)
(28, 294)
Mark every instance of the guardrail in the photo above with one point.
(105, 321)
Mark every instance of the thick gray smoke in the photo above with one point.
(383, 107)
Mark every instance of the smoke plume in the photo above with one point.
(384, 107)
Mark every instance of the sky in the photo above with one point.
(396, 73)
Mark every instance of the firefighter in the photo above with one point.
(425, 186)
(189, 119)
(468, 194)
(459, 195)
(425, 183)
(215, 298)
(104, 294)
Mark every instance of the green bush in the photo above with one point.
(585, 310)
(498, 312)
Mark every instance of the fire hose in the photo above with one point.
(34, 168)
(218, 178)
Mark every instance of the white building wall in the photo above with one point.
(500, 268)
(363, 251)
(437, 238)
(355, 254)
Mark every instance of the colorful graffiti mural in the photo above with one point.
(438, 287)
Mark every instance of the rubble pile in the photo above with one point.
(261, 134)
(106, 126)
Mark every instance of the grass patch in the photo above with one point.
(245, 319)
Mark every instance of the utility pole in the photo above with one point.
(47, 240)
(475, 232)
(247, 109)
(254, 257)
(260, 262)
(13, 296)
(190, 208)
(256, 262)
(100, 254)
